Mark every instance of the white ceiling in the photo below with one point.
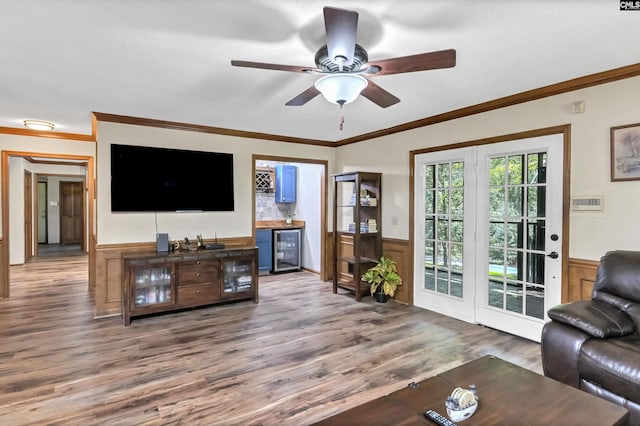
(170, 60)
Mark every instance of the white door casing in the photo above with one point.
(524, 281)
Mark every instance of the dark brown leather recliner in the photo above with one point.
(595, 345)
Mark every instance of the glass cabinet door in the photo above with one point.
(152, 285)
(237, 276)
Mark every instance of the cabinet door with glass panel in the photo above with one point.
(239, 277)
(151, 288)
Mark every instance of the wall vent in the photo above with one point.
(587, 203)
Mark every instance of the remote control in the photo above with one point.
(437, 418)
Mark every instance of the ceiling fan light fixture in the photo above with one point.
(341, 88)
(38, 125)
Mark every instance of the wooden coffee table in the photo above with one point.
(509, 395)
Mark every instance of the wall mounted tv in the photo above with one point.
(147, 179)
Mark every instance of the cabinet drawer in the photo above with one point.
(190, 264)
(202, 294)
(197, 276)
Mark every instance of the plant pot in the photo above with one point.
(380, 297)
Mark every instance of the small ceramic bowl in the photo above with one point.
(463, 414)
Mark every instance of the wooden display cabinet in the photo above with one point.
(357, 229)
(158, 283)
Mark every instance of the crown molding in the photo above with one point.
(148, 122)
(48, 134)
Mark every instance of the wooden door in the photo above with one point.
(72, 208)
(28, 216)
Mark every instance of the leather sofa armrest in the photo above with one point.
(595, 318)
(560, 347)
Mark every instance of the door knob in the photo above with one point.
(553, 255)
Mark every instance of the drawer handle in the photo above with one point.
(198, 275)
(197, 262)
(198, 292)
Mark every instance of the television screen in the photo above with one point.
(147, 179)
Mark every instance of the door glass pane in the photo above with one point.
(515, 170)
(496, 171)
(430, 202)
(517, 259)
(496, 294)
(444, 223)
(535, 301)
(496, 202)
(442, 201)
(535, 234)
(496, 234)
(514, 201)
(429, 224)
(514, 235)
(443, 228)
(514, 297)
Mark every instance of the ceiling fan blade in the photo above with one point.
(304, 97)
(277, 67)
(413, 63)
(378, 95)
(341, 27)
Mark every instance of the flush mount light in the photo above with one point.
(341, 88)
(38, 125)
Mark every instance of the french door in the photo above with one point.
(443, 273)
(488, 233)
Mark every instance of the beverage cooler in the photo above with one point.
(286, 250)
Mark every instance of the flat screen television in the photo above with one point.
(148, 179)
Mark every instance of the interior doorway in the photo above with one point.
(310, 207)
(60, 207)
(14, 164)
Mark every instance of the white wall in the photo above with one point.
(607, 106)
(115, 228)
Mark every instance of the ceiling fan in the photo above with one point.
(343, 65)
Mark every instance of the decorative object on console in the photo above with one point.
(383, 278)
(162, 242)
(462, 403)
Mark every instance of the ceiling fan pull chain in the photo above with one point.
(341, 127)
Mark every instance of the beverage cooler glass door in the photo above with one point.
(152, 286)
(286, 249)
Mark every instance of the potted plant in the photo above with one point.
(383, 278)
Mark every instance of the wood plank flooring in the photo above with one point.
(300, 355)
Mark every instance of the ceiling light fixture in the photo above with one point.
(341, 88)
(38, 125)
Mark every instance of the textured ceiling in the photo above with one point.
(170, 60)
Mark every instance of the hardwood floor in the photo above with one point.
(300, 355)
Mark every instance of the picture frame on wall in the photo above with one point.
(625, 152)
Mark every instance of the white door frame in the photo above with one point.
(415, 229)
